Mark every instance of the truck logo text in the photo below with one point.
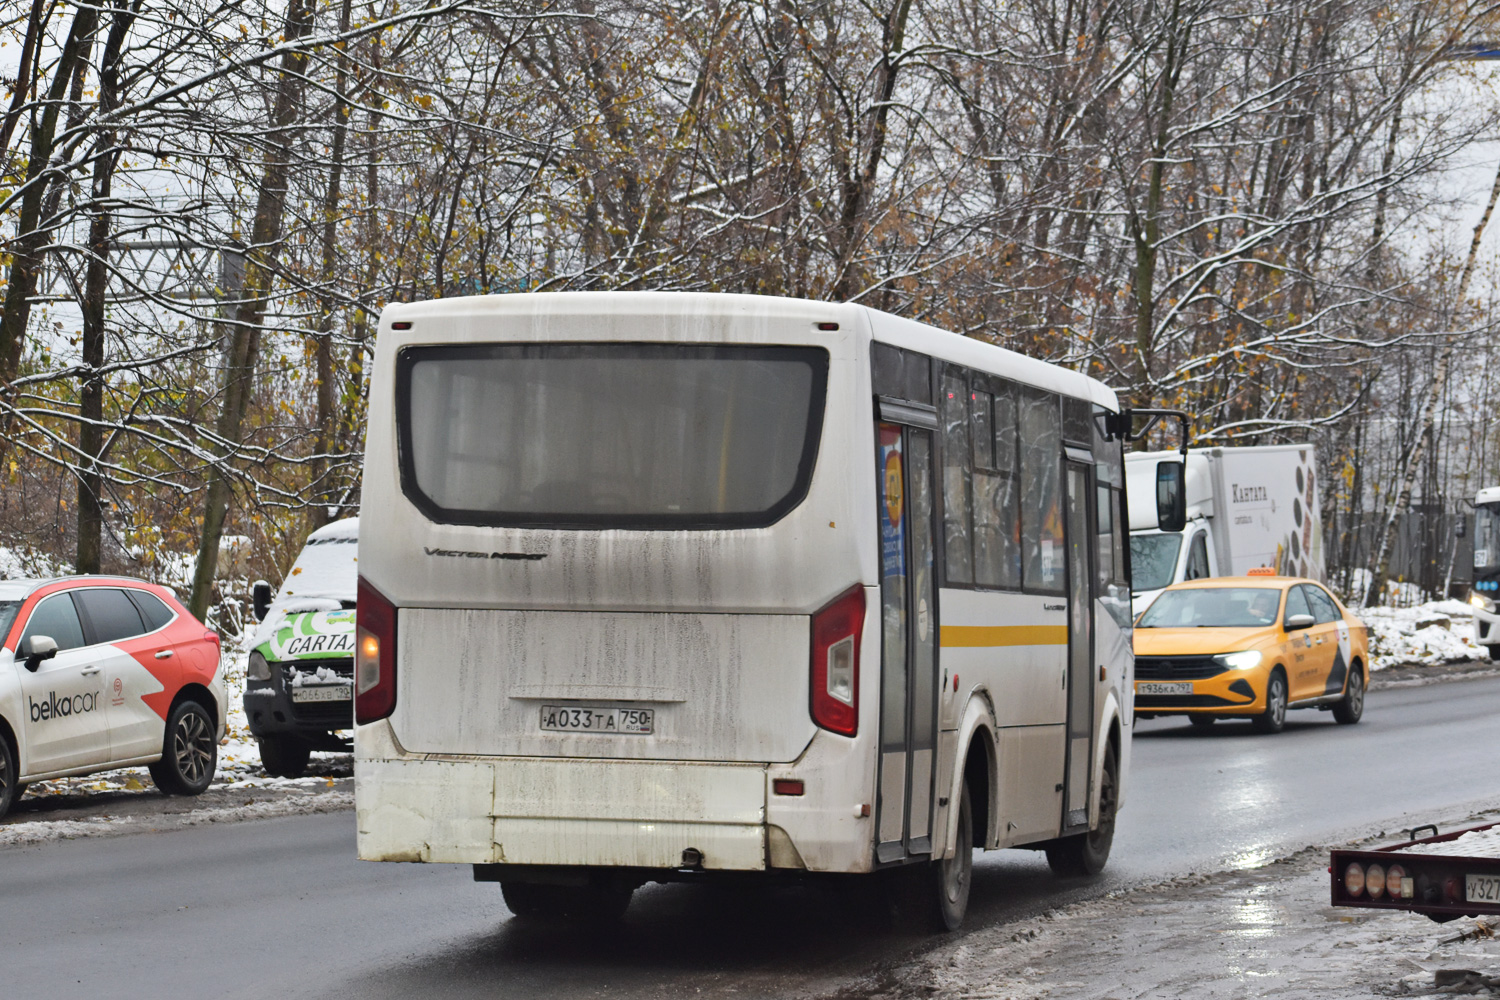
(1247, 494)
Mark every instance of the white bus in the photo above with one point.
(654, 586)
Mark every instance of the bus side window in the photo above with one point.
(997, 549)
(1041, 484)
(953, 414)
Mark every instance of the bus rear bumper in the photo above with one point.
(539, 811)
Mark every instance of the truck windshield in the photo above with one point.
(1486, 535)
(1153, 558)
(609, 435)
(1213, 607)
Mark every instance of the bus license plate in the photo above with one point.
(1157, 687)
(589, 719)
(323, 692)
(1482, 888)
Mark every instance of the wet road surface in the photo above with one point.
(280, 908)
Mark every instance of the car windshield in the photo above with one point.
(1212, 607)
(8, 611)
(1152, 560)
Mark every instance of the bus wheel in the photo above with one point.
(1086, 853)
(590, 904)
(953, 876)
(1351, 707)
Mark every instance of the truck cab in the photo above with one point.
(1159, 558)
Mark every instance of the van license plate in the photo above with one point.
(323, 692)
(1151, 687)
(589, 719)
(1482, 888)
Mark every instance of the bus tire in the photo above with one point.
(1348, 709)
(590, 904)
(284, 756)
(1274, 717)
(953, 876)
(1086, 853)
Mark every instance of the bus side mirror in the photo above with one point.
(36, 648)
(1295, 622)
(1171, 496)
(260, 599)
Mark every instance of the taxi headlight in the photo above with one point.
(258, 669)
(1481, 602)
(1243, 660)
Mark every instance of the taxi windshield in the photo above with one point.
(1213, 607)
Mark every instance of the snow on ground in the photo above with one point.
(1430, 634)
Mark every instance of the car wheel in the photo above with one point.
(1086, 853)
(593, 904)
(1202, 721)
(10, 787)
(1274, 717)
(284, 756)
(189, 752)
(1348, 709)
(951, 877)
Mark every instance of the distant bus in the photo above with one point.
(656, 586)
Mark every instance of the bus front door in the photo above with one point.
(1080, 536)
(909, 632)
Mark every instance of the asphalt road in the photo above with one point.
(280, 908)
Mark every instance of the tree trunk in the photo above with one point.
(91, 398)
(260, 270)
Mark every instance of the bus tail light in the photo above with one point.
(835, 662)
(374, 655)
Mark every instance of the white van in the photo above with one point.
(656, 586)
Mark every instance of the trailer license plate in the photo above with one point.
(1154, 687)
(1482, 888)
(589, 719)
(322, 692)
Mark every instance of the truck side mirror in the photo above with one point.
(1171, 496)
(1295, 622)
(260, 599)
(36, 648)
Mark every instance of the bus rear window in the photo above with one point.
(668, 436)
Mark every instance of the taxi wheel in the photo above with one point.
(284, 756)
(1202, 721)
(189, 753)
(1349, 708)
(10, 788)
(1274, 717)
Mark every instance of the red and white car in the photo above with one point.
(103, 672)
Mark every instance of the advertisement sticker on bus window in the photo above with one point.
(892, 501)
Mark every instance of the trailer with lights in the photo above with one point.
(1444, 876)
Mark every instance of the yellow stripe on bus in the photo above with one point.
(1004, 635)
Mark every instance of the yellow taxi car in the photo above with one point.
(1249, 647)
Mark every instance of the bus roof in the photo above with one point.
(882, 326)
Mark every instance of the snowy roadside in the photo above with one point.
(1262, 932)
(1429, 634)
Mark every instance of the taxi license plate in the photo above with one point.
(1160, 687)
(592, 719)
(322, 692)
(1482, 888)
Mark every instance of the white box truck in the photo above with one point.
(1248, 509)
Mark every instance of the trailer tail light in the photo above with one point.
(374, 655)
(1354, 879)
(835, 662)
(1396, 881)
(1375, 881)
